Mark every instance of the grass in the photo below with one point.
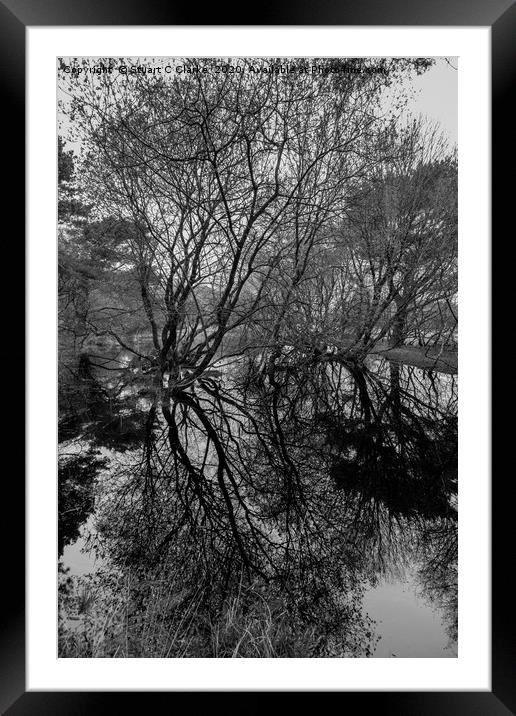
(124, 617)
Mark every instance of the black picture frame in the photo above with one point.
(15, 17)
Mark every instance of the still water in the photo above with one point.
(406, 625)
(371, 451)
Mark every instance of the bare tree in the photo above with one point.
(264, 237)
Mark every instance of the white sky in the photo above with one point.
(432, 95)
(436, 95)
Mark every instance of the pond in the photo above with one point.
(405, 624)
(336, 484)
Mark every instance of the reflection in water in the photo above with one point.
(323, 480)
(388, 441)
(407, 625)
(77, 558)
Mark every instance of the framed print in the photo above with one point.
(270, 240)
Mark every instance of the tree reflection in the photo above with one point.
(316, 480)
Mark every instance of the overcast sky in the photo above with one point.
(436, 95)
(432, 94)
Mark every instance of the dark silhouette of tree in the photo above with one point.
(75, 494)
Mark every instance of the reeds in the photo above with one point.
(125, 617)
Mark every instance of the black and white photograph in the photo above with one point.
(257, 357)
